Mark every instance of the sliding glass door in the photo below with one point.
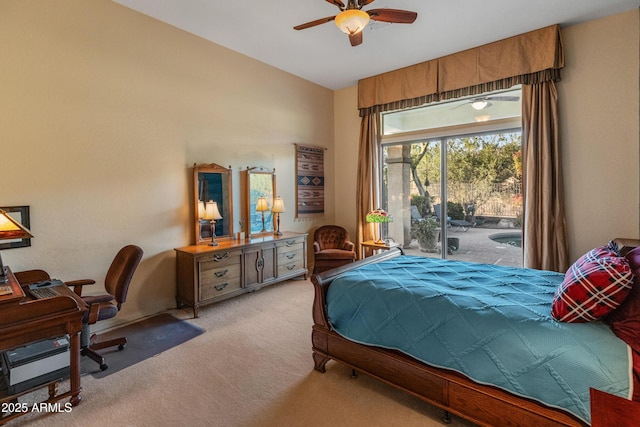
(456, 196)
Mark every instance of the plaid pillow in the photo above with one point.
(592, 289)
(610, 250)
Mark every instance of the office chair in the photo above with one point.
(107, 306)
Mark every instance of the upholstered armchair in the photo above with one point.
(332, 248)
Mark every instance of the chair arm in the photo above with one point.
(349, 246)
(316, 247)
(78, 284)
(92, 316)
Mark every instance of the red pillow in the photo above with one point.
(591, 289)
(625, 320)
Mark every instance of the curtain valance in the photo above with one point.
(528, 58)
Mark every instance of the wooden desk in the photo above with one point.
(24, 320)
(370, 247)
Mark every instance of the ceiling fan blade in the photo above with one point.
(314, 23)
(503, 98)
(337, 3)
(356, 38)
(393, 15)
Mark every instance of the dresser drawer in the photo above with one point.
(220, 258)
(285, 269)
(219, 281)
(287, 255)
(290, 242)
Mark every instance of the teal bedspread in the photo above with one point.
(490, 323)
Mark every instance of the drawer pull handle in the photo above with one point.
(291, 255)
(291, 266)
(290, 243)
(217, 258)
(221, 286)
(221, 273)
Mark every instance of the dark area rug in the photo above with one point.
(145, 339)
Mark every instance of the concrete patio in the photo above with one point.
(476, 246)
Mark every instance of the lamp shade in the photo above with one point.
(201, 209)
(262, 205)
(211, 211)
(378, 215)
(352, 21)
(278, 205)
(12, 229)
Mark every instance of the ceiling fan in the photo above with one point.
(352, 19)
(485, 101)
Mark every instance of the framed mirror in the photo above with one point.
(213, 205)
(258, 192)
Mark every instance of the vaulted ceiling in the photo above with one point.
(322, 54)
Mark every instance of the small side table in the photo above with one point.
(370, 247)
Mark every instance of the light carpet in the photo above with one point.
(251, 367)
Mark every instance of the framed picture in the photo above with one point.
(21, 215)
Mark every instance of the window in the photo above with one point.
(452, 173)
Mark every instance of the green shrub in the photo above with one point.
(455, 210)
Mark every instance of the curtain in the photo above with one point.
(523, 59)
(544, 229)
(368, 178)
(532, 59)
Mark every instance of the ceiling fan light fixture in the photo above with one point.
(480, 104)
(352, 21)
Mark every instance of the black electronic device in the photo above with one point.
(35, 364)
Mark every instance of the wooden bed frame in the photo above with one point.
(453, 392)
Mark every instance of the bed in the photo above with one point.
(451, 388)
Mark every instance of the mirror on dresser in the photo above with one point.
(213, 206)
(258, 192)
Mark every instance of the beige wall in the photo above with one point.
(102, 112)
(599, 130)
(347, 135)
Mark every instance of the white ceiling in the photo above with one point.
(264, 30)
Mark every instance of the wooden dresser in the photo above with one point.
(208, 274)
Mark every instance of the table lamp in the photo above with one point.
(278, 208)
(10, 229)
(262, 206)
(377, 216)
(212, 213)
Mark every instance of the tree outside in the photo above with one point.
(484, 176)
